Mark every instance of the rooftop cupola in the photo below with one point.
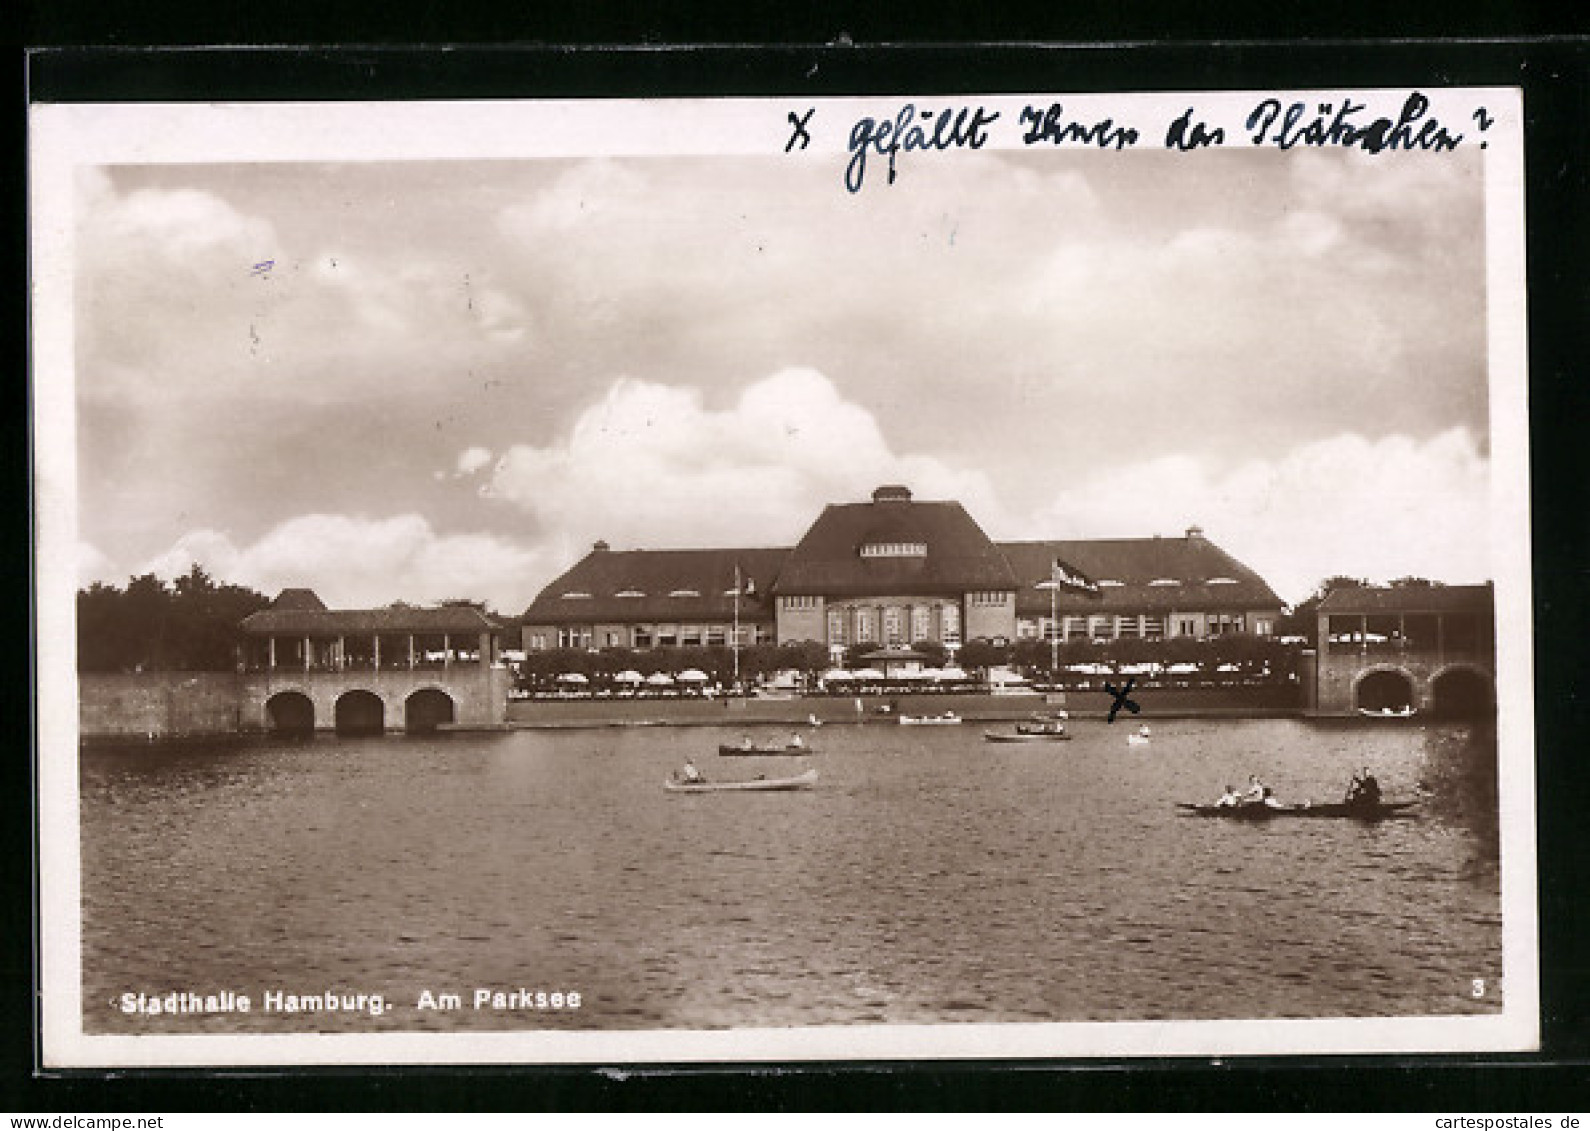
(600, 546)
(1195, 533)
(892, 493)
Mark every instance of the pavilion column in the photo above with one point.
(1363, 634)
(447, 650)
(376, 648)
(411, 651)
(342, 653)
(306, 653)
(270, 652)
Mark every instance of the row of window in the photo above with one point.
(649, 636)
(907, 549)
(894, 625)
(1147, 627)
(894, 550)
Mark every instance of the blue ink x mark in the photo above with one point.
(262, 268)
(1121, 699)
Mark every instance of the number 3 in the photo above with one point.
(1477, 987)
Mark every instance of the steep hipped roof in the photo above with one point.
(1207, 578)
(828, 560)
(1409, 599)
(297, 599)
(400, 619)
(666, 586)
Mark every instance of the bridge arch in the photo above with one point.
(290, 712)
(1462, 690)
(360, 712)
(1383, 686)
(426, 709)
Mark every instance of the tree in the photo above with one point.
(982, 653)
(189, 625)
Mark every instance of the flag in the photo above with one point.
(1069, 577)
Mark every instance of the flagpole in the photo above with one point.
(735, 640)
(1054, 619)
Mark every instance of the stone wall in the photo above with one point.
(990, 621)
(803, 624)
(158, 704)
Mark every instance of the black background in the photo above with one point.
(617, 50)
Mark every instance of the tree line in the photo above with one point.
(190, 624)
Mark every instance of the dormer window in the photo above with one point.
(629, 593)
(1111, 583)
(576, 595)
(894, 550)
(1222, 581)
(685, 593)
(1165, 581)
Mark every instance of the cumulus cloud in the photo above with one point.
(362, 562)
(1379, 509)
(471, 460)
(653, 465)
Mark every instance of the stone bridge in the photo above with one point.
(374, 701)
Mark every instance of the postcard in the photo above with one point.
(783, 579)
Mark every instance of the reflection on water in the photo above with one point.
(929, 877)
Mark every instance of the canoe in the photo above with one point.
(949, 718)
(1254, 811)
(728, 751)
(1018, 736)
(1388, 713)
(801, 781)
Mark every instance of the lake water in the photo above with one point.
(928, 877)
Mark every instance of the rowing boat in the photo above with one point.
(787, 751)
(1259, 811)
(1026, 736)
(800, 781)
(948, 718)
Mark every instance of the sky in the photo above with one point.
(434, 380)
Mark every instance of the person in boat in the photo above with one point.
(745, 742)
(690, 775)
(1256, 791)
(1271, 800)
(1363, 789)
(1230, 799)
(1143, 731)
(795, 742)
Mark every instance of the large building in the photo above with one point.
(895, 572)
